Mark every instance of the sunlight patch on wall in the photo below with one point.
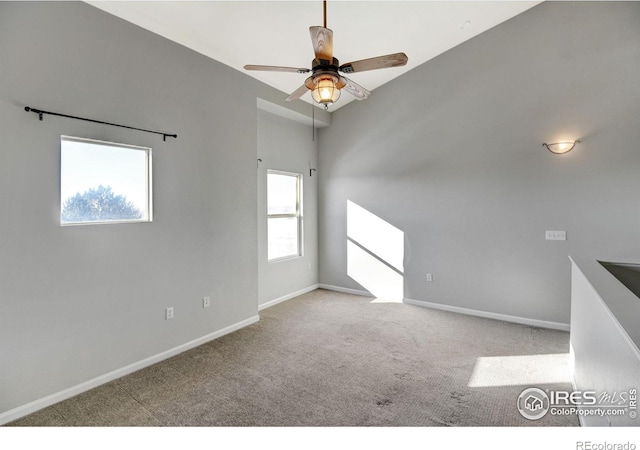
(520, 370)
(382, 281)
(376, 235)
(375, 254)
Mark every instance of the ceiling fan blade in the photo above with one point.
(298, 93)
(322, 40)
(277, 68)
(379, 62)
(355, 89)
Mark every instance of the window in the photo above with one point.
(284, 215)
(103, 182)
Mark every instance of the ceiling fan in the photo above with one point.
(325, 82)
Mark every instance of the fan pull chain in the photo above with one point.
(313, 123)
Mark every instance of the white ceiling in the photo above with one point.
(271, 32)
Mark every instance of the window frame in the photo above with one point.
(297, 215)
(148, 181)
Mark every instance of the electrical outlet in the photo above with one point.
(555, 235)
(429, 277)
(169, 313)
(206, 302)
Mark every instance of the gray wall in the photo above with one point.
(287, 146)
(450, 153)
(79, 302)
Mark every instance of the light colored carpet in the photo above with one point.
(331, 359)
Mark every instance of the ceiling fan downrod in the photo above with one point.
(324, 8)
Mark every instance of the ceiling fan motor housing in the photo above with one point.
(325, 65)
(323, 70)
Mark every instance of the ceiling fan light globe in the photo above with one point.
(325, 91)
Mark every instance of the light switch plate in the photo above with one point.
(556, 235)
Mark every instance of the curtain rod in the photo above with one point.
(40, 113)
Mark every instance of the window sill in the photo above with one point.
(284, 258)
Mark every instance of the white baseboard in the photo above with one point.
(490, 315)
(284, 298)
(49, 400)
(457, 309)
(345, 290)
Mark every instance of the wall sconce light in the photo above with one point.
(560, 147)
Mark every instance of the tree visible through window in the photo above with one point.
(103, 182)
(98, 205)
(284, 215)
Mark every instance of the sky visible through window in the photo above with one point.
(87, 165)
(283, 230)
(282, 193)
